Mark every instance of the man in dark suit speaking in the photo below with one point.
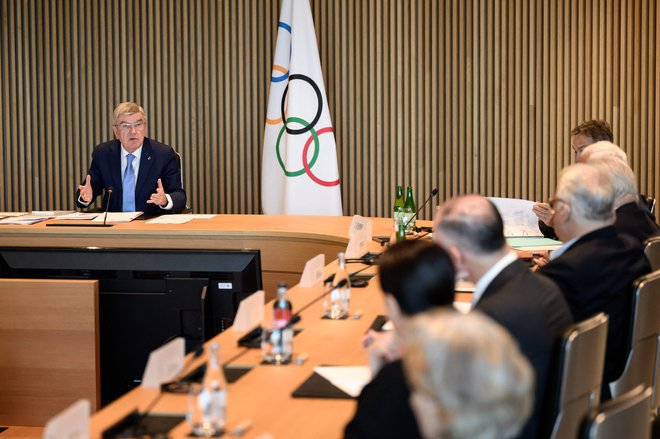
(144, 174)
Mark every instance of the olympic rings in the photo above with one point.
(308, 167)
(316, 148)
(319, 99)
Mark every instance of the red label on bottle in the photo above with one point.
(281, 317)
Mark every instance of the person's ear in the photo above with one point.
(562, 213)
(460, 263)
(392, 308)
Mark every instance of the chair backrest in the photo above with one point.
(178, 162)
(648, 201)
(652, 251)
(186, 209)
(578, 373)
(640, 364)
(624, 417)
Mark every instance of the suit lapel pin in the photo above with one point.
(149, 158)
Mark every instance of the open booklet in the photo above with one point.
(521, 225)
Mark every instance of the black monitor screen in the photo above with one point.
(147, 297)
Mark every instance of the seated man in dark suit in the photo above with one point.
(415, 276)
(583, 135)
(143, 174)
(596, 266)
(529, 306)
(632, 217)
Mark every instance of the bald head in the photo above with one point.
(472, 223)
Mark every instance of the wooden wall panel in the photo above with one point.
(469, 96)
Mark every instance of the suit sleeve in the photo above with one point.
(96, 178)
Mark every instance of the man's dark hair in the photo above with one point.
(597, 130)
(477, 233)
(419, 274)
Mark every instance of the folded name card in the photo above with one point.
(313, 272)
(71, 423)
(164, 363)
(250, 312)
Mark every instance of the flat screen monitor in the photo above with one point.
(147, 297)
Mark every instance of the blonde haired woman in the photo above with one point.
(468, 379)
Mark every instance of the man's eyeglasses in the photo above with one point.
(126, 127)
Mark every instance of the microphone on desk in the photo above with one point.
(88, 223)
(434, 192)
(107, 205)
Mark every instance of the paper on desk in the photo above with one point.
(6, 214)
(24, 220)
(79, 216)
(170, 219)
(53, 213)
(72, 422)
(350, 379)
(313, 272)
(164, 363)
(117, 217)
(178, 219)
(518, 217)
(250, 312)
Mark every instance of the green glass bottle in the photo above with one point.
(401, 233)
(409, 210)
(397, 215)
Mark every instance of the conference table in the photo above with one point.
(263, 395)
(286, 241)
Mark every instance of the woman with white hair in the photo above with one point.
(468, 379)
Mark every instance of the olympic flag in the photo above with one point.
(299, 163)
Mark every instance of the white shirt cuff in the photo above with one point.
(169, 205)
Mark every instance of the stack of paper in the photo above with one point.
(117, 217)
(24, 220)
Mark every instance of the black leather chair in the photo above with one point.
(576, 376)
(652, 251)
(186, 209)
(648, 201)
(624, 417)
(645, 330)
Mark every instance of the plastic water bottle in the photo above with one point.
(340, 294)
(209, 414)
(282, 308)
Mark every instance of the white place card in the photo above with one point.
(313, 272)
(164, 363)
(361, 225)
(357, 246)
(360, 234)
(250, 312)
(70, 423)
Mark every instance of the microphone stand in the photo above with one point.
(89, 223)
(434, 192)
